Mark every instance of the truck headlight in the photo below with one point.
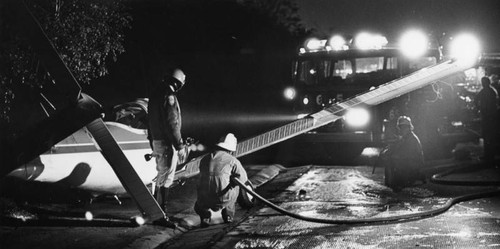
(305, 100)
(357, 117)
(289, 93)
(465, 49)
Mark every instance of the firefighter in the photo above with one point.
(403, 159)
(165, 132)
(216, 191)
(495, 82)
(486, 101)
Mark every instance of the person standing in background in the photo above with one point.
(487, 103)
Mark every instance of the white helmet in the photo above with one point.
(228, 142)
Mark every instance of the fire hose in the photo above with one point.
(437, 178)
(391, 219)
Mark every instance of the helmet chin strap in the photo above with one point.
(174, 84)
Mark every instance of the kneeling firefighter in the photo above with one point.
(216, 191)
(404, 159)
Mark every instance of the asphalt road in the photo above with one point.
(349, 193)
(328, 192)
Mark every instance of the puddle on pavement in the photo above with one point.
(337, 194)
(354, 193)
(350, 193)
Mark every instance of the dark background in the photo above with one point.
(393, 17)
(238, 60)
(237, 63)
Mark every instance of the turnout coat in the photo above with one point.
(164, 113)
(215, 190)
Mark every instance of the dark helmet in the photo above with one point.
(485, 81)
(175, 81)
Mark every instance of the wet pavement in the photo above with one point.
(326, 192)
(41, 215)
(348, 193)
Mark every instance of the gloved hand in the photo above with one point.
(182, 153)
(232, 182)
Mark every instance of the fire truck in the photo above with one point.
(328, 71)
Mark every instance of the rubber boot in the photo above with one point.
(227, 216)
(204, 222)
(165, 222)
(161, 195)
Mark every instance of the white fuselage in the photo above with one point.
(78, 162)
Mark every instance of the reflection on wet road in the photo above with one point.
(352, 193)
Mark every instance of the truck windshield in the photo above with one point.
(324, 70)
(367, 65)
(422, 62)
(319, 71)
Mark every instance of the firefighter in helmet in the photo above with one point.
(403, 159)
(165, 132)
(216, 191)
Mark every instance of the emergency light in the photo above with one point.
(367, 41)
(362, 41)
(337, 42)
(414, 44)
(465, 49)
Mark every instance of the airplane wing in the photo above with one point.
(376, 96)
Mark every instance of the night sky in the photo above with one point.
(392, 17)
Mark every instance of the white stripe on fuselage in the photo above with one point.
(77, 149)
(101, 178)
(92, 144)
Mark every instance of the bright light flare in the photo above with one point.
(139, 220)
(414, 44)
(370, 152)
(367, 41)
(465, 49)
(305, 101)
(337, 42)
(315, 44)
(357, 117)
(289, 93)
(302, 115)
(89, 216)
(200, 147)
